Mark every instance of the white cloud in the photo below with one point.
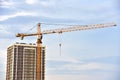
(86, 67)
(6, 4)
(45, 3)
(3, 56)
(31, 1)
(3, 61)
(64, 59)
(6, 17)
(84, 75)
(91, 66)
(99, 76)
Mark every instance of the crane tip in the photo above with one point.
(18, 35)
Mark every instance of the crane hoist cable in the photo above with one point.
(60, 43)
(31, 29)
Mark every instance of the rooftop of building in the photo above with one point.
(25, 44)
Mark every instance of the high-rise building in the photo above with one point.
(21, 62)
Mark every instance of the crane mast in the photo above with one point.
(39, 55)
(39, 65)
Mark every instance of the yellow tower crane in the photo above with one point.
(39, 65)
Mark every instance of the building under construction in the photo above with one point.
(21, 62)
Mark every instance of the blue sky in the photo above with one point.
(86, 55)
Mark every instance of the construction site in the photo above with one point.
(27, 61)
(59, 40)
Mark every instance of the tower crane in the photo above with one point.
(39, 33)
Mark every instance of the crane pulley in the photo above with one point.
(39, 33)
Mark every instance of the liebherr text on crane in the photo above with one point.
(40, 66)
